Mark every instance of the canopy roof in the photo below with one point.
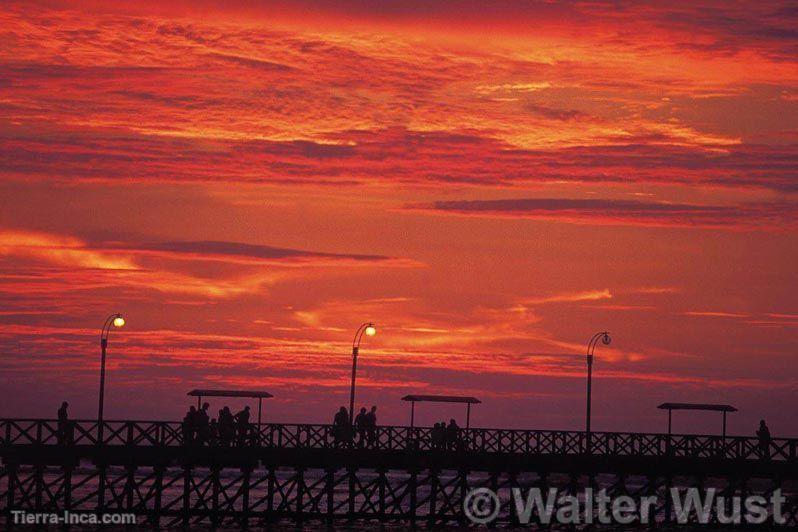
(230, 393)
(697, 406)
(441, 399)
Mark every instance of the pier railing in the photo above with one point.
(397, 438)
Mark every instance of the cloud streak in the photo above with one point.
(146, 266)
(763, 216)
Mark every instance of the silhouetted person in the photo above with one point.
(190, 426)
(371, 419)
(203, 424)
(213, 433)
(438, 435)
(341, 426)
(242, 424)
(361, 425)
(220, 426)
(226, 426)
(764, 439)
(452, 435)
(64, 425)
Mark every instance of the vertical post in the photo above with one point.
(260, 407)
(103, 345)
(38, 480)
(468, 416)
(130, 486)
(383, 480)
(271, 483)
(412, 485)
(12, 481)
(668, 443)
(186, 495)
(300, 490)
(494, 486)
(668, 500)
(67, 487)
(433, 493)
(589, 390)
(158, 495)
(462, 481)
(724, 426)
(215, 485)
(330, 488)
(412, 413)
(245, 481)
(199, 399)
(351, 471)
(352, 388)
(101, 480)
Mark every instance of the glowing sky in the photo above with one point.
(490, 182)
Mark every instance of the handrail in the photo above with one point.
(557, 431)
(23, 431)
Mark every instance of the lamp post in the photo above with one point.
(369, 330)
(604, 336)
(114, 320)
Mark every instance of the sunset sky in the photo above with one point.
(489, 182)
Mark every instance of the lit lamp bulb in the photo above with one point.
(119, 321)
(371, 330)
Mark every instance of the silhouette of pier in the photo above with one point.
(301, 472)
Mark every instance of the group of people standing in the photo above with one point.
(226, 430)
(446, 436)
(364, 427)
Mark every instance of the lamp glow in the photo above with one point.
(119, 321)
(371, 330)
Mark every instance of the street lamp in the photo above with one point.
(604, 336)
(369, 330)
(114, 320)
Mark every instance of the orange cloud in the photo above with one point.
(571, 297)
(124, 265)
(61, 250)
(715, 314)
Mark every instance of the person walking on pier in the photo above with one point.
(189, 426)
(371, 423)
(242, 424)
(341, 429)
(764, 440)
(226, 426)
(64, 425)
(213, 433)
(452, 435)
(438, 435)
(203, 424)
(361, 426)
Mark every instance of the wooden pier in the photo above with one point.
(300, 472)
